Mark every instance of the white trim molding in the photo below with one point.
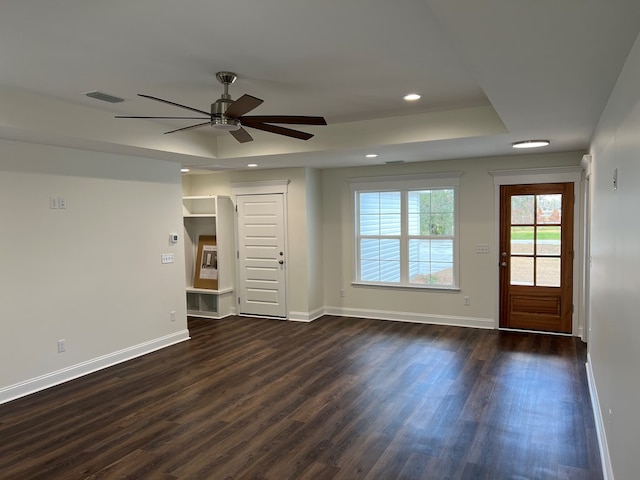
(260, 188)
(536, 175)
(409, 317)
(33, 385)
(306, 316)
(605, 458)
(418, 181)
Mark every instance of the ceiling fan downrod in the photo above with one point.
(218, 119)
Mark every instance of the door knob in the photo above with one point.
(281, 262)
(503, 264)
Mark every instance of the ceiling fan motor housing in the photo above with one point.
(218, 120)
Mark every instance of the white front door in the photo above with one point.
(261, 255)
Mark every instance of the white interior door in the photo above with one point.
(261, 255)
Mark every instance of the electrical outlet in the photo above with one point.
(173, 315)
(62, 203)
(62, 346)
(467, 301)
(342, 293)
(53, 202)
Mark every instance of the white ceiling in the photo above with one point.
(490, 73)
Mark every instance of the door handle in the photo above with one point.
(503, 264)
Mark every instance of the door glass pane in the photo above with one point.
(548, 272)
(549, 208)
(548, 240)
(521, 270)
(522, 240)
(522, 209)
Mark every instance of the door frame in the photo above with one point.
(586, 229)
(545, 175)
(265, 187)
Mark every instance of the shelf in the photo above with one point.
(208, 291)
(209, 215)
(204, 206)
(213, 304)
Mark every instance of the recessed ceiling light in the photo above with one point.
(412, 97)
(184, 170)
(252, 165)
(531, 144)
(371, 155)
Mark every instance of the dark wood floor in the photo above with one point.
(339, 398)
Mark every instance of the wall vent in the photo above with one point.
(394, 162)
(105, 97)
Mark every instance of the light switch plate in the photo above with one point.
(482, 248)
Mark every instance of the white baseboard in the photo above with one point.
(475, 322)
(306, 316)
(605, 458)
(51, 379)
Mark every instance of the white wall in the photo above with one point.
(478, 272)
(90, 274)
(314, 237)
(614, 340)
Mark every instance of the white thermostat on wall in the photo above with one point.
(173, 238)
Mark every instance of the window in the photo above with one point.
(405, 231)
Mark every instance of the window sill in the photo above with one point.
(430, 288)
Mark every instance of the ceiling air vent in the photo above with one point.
(105, 97)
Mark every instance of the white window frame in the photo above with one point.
(405, 184)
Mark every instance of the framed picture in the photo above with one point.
(206, 271)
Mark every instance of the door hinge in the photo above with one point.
(238, 300)
(236, 208)
(237, 253)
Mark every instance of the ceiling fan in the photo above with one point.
(229, 115)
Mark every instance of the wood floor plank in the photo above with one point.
(336, 399)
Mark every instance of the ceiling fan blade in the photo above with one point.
(189, 127)
(288, 119)
(243, 105)
(287, 132)
(165, 118)
(241, 135)
(174, 104)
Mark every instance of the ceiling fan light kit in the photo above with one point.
(230, 115)
(228, 124)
